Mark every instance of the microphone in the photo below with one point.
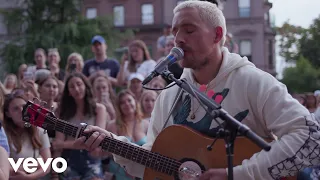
(176, 54)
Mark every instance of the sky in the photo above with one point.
(298, 12)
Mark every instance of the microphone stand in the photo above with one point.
(232, 126)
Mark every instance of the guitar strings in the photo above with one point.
(175, 163)
(70, 129)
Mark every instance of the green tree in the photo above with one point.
(55, 24)
(310, 43)
(289, 40)
(296, 41)
(304, 77)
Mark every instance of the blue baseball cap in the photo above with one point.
(99, 39)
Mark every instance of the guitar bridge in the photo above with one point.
(189, 170)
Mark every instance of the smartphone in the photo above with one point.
(27, 75)
(72, 67)
(104, 97)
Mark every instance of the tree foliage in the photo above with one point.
(310, 43)
(289, 37)
(54, 24)
(304, 77)
(296, 41)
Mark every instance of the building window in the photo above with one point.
(244, 8)
(147, 14)
(270, 54)
(267, 17)
(118, 16)
(91, 13)
(245, 49)
(150, 49)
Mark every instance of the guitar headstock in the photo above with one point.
(35, 114)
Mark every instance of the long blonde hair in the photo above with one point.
(76, 55)
(120, 116)
(143, 96)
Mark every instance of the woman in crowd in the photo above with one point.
(311, 102)
(129, 123)
(29, 89)
(24, 142)
(135, 85)
(77, 106)
(147, 101)
(48, 93)
(74, 63)
(40, 58)
(4, 146)
(301, 98)
(21, 71)
(158, 83)
(10, 82)
(138, 60)
(2, 95)
(48, 90)
(102, 89)
(54, 60)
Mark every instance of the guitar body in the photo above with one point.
(182, 143)
(176, 149)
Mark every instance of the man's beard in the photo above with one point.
(195, 65)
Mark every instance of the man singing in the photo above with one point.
(252, 96)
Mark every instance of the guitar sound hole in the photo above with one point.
(189, 170)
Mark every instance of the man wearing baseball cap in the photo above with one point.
(101, 62)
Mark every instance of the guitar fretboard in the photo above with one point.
(134, 153)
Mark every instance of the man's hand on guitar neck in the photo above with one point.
(214, 174)
(93, 142)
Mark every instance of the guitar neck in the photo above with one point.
(129, 151)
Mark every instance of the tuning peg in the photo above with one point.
(43, 103)
(27, 125)
(52, 108)
(36, 100)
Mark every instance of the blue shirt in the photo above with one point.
(4, 140)
(109, 66)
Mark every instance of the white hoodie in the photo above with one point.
(258, 100)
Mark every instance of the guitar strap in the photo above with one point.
(175, 102)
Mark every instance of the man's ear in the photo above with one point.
(219, 34)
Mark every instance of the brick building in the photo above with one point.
(247, 20)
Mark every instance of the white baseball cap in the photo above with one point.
(136, 76)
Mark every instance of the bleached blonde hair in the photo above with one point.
(208, 12)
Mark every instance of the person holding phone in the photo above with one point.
(74, 63)
(138, 60)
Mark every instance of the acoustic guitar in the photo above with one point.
(177, 153)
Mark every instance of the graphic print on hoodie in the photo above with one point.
(203, 126)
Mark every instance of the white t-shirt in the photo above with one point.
(27, 148)
(144, 69)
